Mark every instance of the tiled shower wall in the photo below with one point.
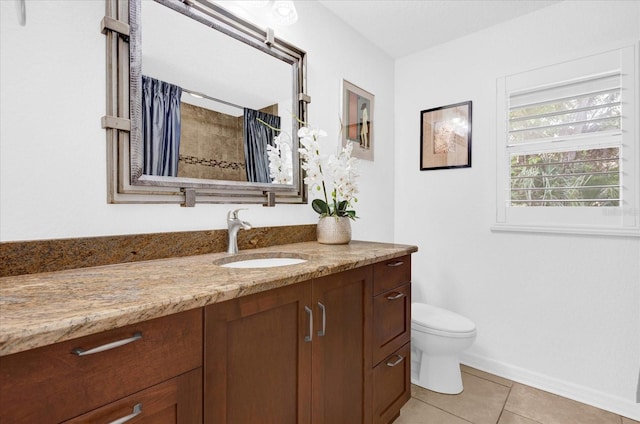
(211, 144)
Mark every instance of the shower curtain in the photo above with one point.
(256, 137)
(160, 126)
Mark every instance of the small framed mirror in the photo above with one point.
(202, 106)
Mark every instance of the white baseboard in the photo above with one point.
(601, 400)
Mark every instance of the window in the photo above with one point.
(568, 147)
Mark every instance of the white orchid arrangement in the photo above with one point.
(322, 172)
(334, 176)
(280, 159)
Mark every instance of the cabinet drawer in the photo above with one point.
(391, 321)
(52, 383)
(175, 401)
(391, 273)
(391, 385)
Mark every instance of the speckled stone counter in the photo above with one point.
(41, 309)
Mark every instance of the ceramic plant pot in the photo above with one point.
(334, 230)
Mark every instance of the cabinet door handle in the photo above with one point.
(137, 410)
(396, 362)
(310, 314)
(395, 296)
(108, 346)
(396, 263)
(324, 319)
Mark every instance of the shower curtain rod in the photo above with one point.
(197, 94)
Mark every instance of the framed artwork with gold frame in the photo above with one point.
(445, 137)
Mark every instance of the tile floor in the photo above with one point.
(488, 399)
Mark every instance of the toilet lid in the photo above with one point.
(430, 316)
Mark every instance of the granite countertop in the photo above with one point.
(41, 309)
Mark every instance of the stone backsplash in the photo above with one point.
(31, 257)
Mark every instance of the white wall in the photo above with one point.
(556, 311)
(52, 149)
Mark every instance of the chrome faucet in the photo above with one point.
(234, 224)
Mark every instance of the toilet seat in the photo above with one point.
(431, 319)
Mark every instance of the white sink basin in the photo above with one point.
(263, 262)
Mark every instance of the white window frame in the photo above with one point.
(623, 220)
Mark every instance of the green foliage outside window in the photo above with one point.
(573, 178)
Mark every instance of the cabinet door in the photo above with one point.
(176, 401)
(391, 321)
(391, 385)
(341, 343)
(257, 362)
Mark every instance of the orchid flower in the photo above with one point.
(338, 173)
(333, 176)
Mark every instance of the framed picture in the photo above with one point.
(357, 120)
(445, 137)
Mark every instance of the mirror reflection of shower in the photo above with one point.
(214, 140)
(220, 86)
(193, 135)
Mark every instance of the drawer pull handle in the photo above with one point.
(108, 346)
(322, 332)
(396, 362)
(396, 263)
(137, 410)
(398, 295)
(310, 313)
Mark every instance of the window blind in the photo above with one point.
(577, 175)
(557, 112)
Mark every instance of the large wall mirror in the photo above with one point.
(196, 98)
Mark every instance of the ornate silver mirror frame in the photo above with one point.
(126, 182)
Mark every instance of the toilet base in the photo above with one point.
(438, 373)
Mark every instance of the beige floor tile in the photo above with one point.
(418, 412)
(510, 418)
(481, 401)
(486, 376)
(629, 421)
(547, 408)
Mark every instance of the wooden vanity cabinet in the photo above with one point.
(296, 354)
(156, 368)
(391, 350)
(330, 350)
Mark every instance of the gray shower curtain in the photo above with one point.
(160, 126)
(256, 137)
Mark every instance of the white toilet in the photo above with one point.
(438, 336)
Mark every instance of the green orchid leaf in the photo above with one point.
(320, 207)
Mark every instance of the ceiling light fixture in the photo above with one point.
(285, 12)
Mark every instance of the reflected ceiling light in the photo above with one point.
(285, 12)
(255, 3)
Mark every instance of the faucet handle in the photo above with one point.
(234, 214)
